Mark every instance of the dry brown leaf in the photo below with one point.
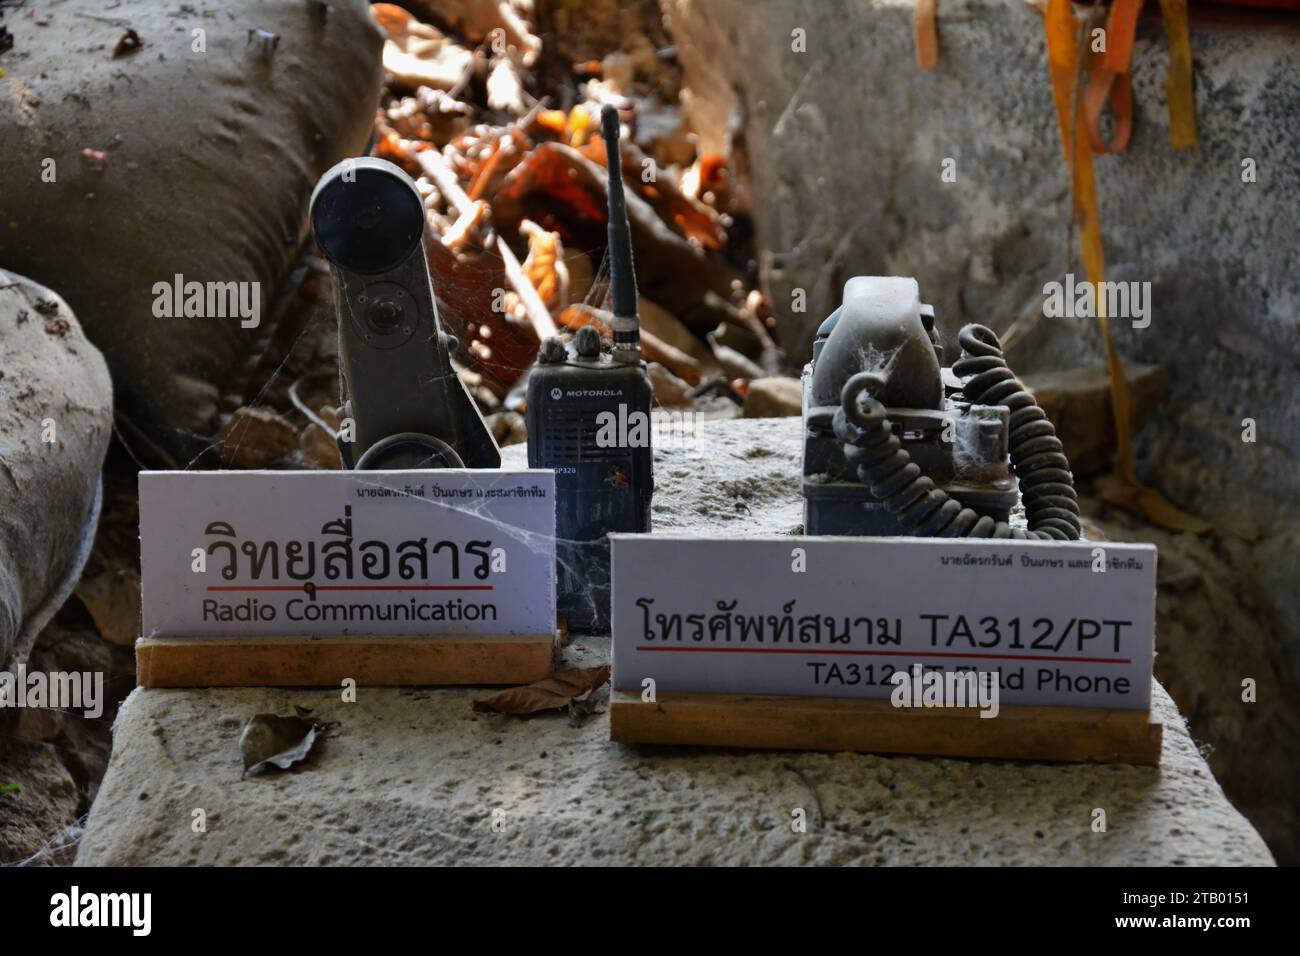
(580, 127)
(692, 218)
(270, 740)
(388, 145)
(544, 264)
(479, 180)
(505, 87)
(576, 316)
(562, 191)
(319, 448)
(552, 122)
(549, 693)
(480, 21)
(256, 437)
(417, 54)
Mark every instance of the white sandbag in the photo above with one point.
(145, 141)
(56, 419)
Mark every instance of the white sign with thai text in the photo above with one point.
(1062, 624)
(345, 552)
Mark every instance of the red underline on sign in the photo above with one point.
(796, 650)
(358, 587)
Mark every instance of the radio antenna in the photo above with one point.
(622, 275)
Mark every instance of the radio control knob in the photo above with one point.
(553, 351)
(587, 342)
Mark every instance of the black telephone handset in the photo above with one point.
(400, 387)
(897, 444)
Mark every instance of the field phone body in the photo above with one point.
(896, 443)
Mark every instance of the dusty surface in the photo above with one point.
(38, 804)
(413, 776)
(52, 761)
(1213, 632)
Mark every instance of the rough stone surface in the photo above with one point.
(256, 438)
(1077, 401)
(1213, 631)
(775, 397)
(413, 776)
(57, 758)
(38, 804)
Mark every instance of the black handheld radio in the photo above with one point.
(588, 418)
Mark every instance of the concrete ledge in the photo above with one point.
(412, 776)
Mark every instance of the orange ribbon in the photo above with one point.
(1063, 60)
(1110, 79)
(1178, 81)
(926, 33)
(1063, 63)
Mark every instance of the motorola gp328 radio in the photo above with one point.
(408, 406)
(588, 417)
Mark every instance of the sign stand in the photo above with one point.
(1019, 650)
(379, 660)
(1070, 734)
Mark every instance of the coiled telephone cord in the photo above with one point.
(1037, 455)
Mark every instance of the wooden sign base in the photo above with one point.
(876, 726)
(327, 661)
